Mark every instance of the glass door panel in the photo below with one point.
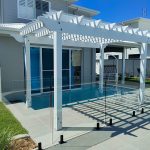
(48, 74)
(65, 69)
(35, 69)
(48, 69)
(48, 81)
(76, 69)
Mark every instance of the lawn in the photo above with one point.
(137, 79)
(9, 122)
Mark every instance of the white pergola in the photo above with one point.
(61, 29)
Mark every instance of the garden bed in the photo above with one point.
(137, 79)
(10, 127)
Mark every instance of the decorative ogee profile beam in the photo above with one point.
(31, 27)
(43, 32)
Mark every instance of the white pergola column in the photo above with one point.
(123, 66)
(57, 80)
(142, 71)
(0, 86)
(28, 73)
(101, 67)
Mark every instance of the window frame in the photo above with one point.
(34, 7)
(18, 11)
(49, 5)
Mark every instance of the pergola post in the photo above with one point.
(142, 71)
(28, 73)
(57, 80)
(101, 67)
(123, 65)
(0, 86)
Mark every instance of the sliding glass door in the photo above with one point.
(65, 69)
(76, 68)
(42, 69)
(47, 69)
(35, 69)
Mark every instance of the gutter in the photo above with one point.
(84, 9)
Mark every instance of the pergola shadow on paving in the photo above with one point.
(120, 110)
(61, 29)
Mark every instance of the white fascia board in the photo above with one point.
(71, 28)
(126, 44)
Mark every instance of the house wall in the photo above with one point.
(12, 66)
(59, 5)
(144, 24)
(1, 11)
(10, 10)
(133, 24)
(79, 13)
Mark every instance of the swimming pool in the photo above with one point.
(74, 96)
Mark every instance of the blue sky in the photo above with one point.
(118, 10)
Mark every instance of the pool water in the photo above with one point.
(74, 96)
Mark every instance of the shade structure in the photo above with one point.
(64, 28)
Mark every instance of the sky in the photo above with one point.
(118, 10)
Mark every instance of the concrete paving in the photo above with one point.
(79, 120)
(136, 140)
(126, 133)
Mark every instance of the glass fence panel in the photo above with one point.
(82, 109)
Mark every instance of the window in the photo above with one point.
(65, 69)
(26, 9)
(113, 57)
(48, 73)
(76, 69)
(134, 56)
(42, 7)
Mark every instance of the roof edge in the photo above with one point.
(85, 9)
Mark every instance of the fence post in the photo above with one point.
(0, 86)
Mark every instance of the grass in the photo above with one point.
(9, 122)
(137, 79)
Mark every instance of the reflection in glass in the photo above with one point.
(35, 69)
(76, 69)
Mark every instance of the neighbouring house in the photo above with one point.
(141, 23)
(132, 55)
(50, 46)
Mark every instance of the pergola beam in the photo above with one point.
(71, 28)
